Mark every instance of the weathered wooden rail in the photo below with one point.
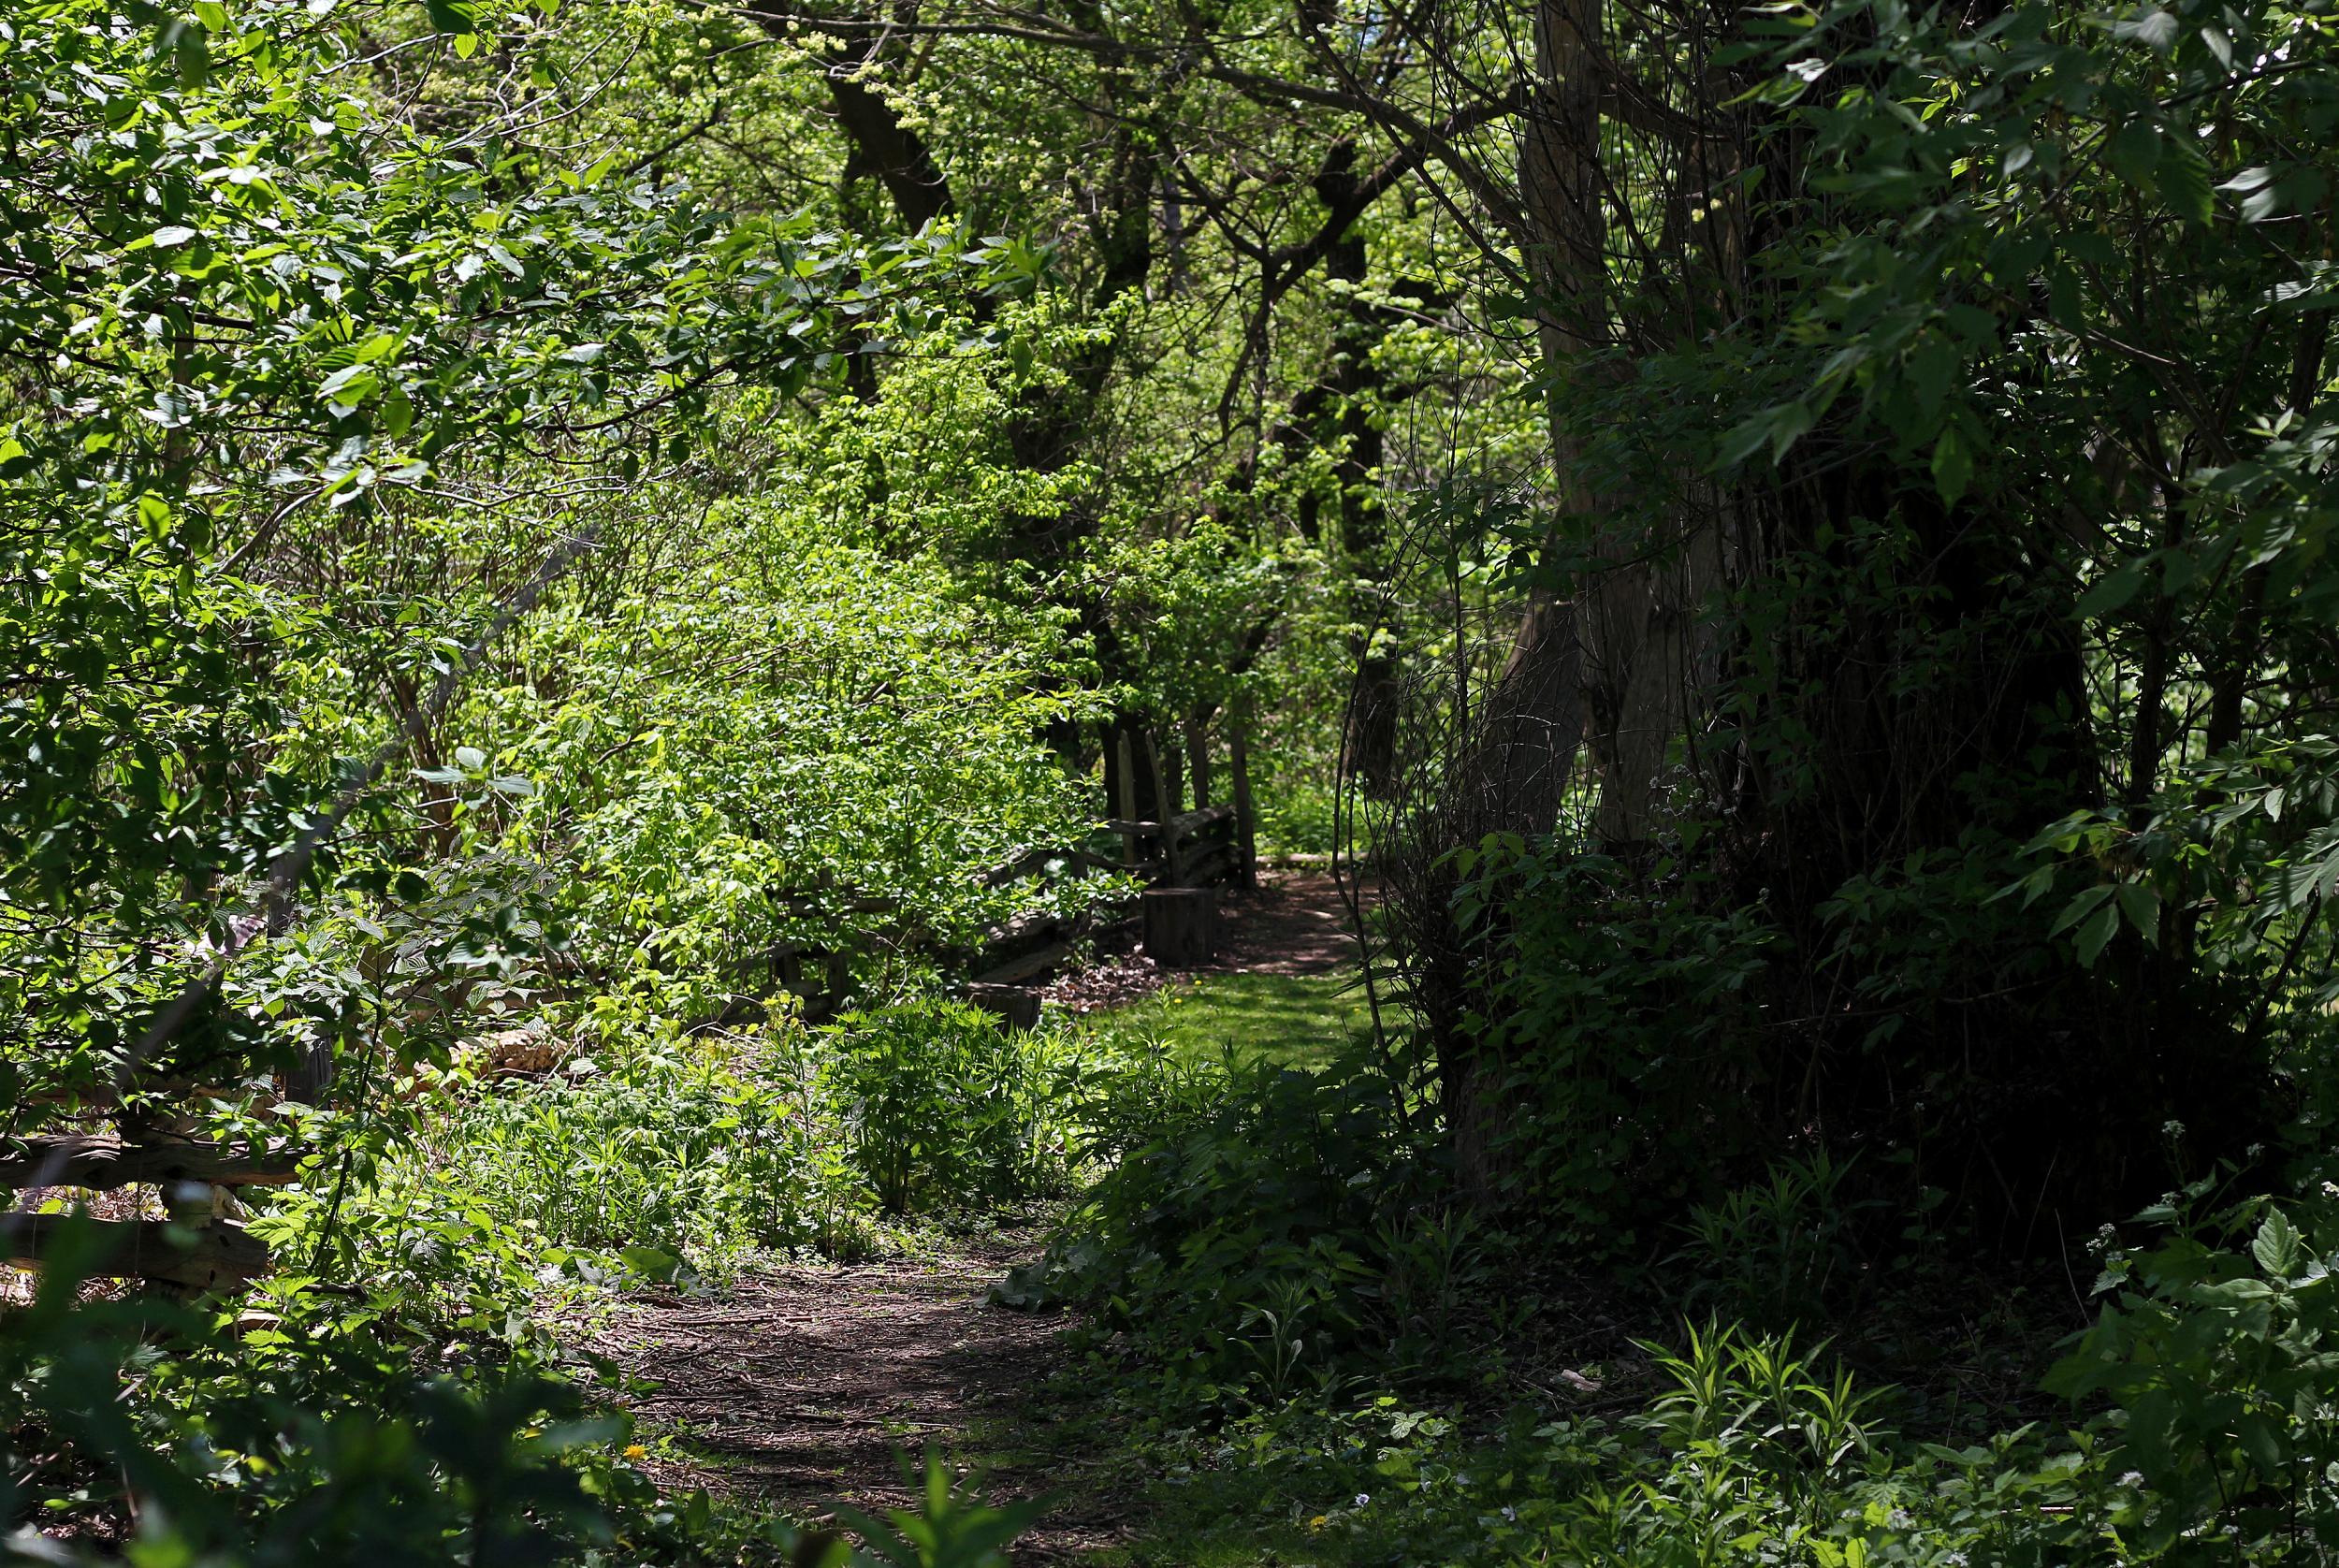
(200, 1247)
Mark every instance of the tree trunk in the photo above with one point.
(1197, 760)
(1245, 818)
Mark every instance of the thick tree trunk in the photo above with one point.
(1513, 769)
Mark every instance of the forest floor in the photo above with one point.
(796, 1388)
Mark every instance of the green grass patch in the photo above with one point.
(1296, 1021)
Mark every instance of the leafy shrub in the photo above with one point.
(1301, 816)
(2219, 1359)
(322, 1443)
(685, 1151)
(1625, 1006)
(1245, 1245)
(941, 1105)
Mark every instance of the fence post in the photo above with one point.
(1172, 864)
(1124, 807)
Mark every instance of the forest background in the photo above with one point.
(1782, 548)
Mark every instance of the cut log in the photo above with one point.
(1031, 929)
(1186, 825)
(102, 1162)
(1031, 863)
(1015, 1006)
(1181, 925)
(211, 1258)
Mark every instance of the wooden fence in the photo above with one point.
(199, 1247)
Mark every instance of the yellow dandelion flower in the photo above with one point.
(1318, 1522)
(635, 1451)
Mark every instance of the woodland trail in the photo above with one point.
(801, 1387)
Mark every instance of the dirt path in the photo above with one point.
(799, 1388)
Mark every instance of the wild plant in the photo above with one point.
(1433, 1261)
(1780, 1252)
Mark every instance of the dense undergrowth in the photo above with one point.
(1332, 1361)
(1314, 1353)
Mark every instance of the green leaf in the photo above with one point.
(453, 16)
(2258, 191)
(2098, 932)
(2134, 152)
(193, 56)
(2141, 906)
(2079, 908)
(1932, 369)
(1952, 465)
(2155, 28)
(2276, 1245)
(654, 1263)
(2183, 181)
(2110, 593)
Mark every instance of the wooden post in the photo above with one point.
(1246, 820)
(1181, 925)
(1016, 1007)
(837, 978)
(1172, 867)
(1125, 792)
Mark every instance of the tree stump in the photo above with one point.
(1016, 1007)
(1181, 925)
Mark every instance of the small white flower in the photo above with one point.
(1363, 1498)
(1510, 1513)
(2133, 1478)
